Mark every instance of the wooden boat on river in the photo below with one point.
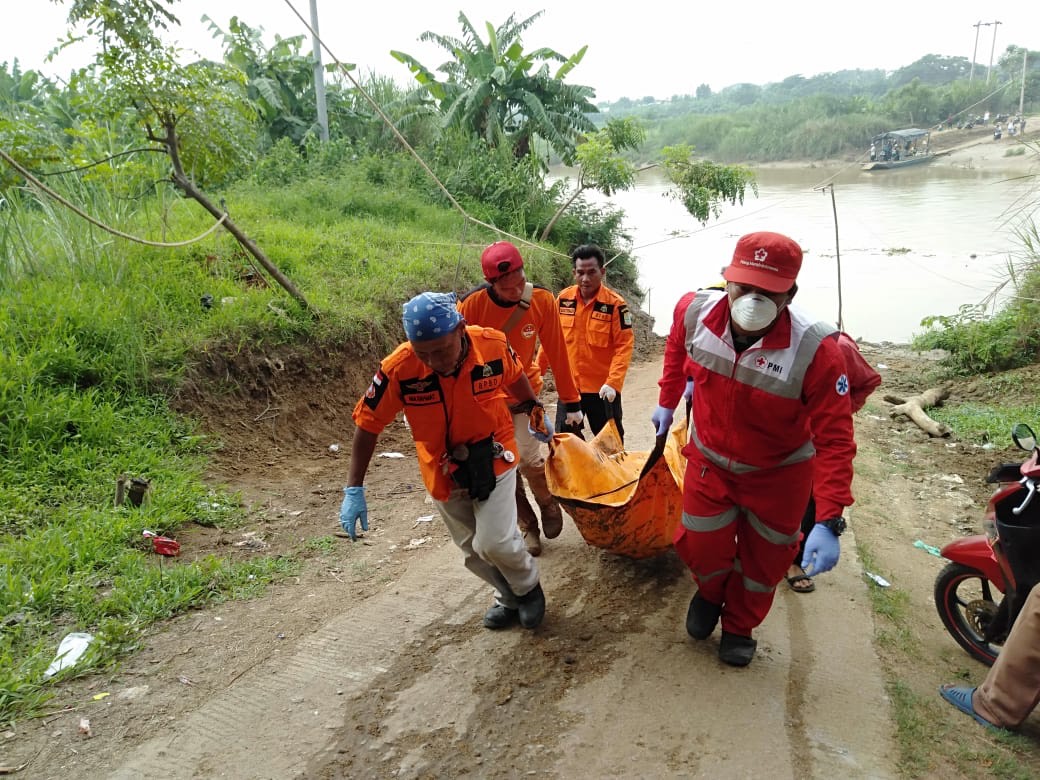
(898, 149)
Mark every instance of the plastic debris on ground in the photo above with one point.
(71, 648)
(390, 455)
(163, 545)
(416, 543)
(878, 579)
(928, 548)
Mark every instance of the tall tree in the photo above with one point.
(701, 185)
(203, 130)
(601, 165)
(279, 79)
(498, 91)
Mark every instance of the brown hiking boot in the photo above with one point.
(552, 515)
(533, 542)
(552, 519)
(527, 520)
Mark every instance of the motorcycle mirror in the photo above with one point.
(1024, 437)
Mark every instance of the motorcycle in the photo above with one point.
(980, 592)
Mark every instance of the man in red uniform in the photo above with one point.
(527, 315)
(771, 423)
(450, 381)
(597, 327)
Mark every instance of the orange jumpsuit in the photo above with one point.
(539, 324)
(444, 412)
(599, 340)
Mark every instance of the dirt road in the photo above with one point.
(373, 662)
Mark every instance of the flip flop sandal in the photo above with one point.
(791, 581)
(960, 697)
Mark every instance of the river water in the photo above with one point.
(910, 243)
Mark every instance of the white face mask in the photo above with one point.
(753, 312)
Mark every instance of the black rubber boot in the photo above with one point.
(702, 617)
(736, 650)
(532, 607)
(500, 616)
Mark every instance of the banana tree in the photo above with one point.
(503, 94)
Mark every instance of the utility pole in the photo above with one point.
(991, 50)
(971, 73)
(319, 76)
(1022, 91)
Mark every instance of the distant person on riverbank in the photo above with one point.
(597, 328)
(771, 425)
(1011, 689)
(448, 380)
(526, 313)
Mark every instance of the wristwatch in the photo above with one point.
(836, 525)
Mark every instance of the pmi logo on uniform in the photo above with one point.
(768, 366)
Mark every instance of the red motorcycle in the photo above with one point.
(980, 592)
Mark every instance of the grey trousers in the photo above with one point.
(487, 534)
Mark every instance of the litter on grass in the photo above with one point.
(70, 650)
(878, 579)
(928, 548)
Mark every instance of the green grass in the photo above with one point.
(891, 603)
(981, 424)
(325, 545)
(914, 728)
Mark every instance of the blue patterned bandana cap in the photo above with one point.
(430, 315)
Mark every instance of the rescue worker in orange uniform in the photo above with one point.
(450, 381)
(492, 305)
(597, 327)
(771, 425)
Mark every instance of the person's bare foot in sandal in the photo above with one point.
(798, 580)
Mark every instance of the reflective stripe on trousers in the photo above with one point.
(739, 533)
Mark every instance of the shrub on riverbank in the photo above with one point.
(979, 342)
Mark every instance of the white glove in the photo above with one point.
(574, 419)
(608, 393)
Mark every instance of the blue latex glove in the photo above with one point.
(822, 549)
(662, 420)
(546, 433)
(688, 392)
(354, 508)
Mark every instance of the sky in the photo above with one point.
(652, 48)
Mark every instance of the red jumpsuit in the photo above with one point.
(769, 425)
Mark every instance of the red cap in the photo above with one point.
(769, 261)
(500, 259)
